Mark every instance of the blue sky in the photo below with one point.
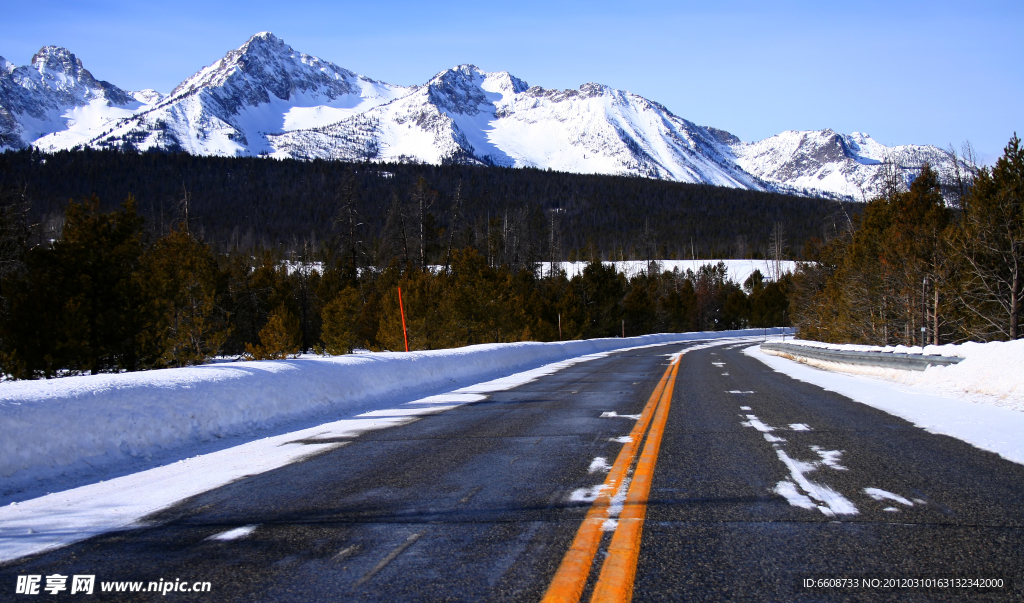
(905, 72)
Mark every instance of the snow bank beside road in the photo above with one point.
(991, 373)
(61, 426)
(986, 426)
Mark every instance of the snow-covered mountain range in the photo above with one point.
(267, 99)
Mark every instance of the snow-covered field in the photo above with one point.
(386, 382)
(991, 373)
(976, 401)
(736, 270)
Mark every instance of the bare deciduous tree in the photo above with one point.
(991, 246)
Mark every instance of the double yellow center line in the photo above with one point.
(615, 582)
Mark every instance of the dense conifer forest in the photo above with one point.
(119, 262)
(248, 203)
(922, 264)
(116, 261)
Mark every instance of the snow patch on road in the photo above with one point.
(616, 504)
(789, 491)
(587, 495)
(599, 464)
(234, 534)
(613, 414)
(881, 495)
(829, 457)
(833, 503)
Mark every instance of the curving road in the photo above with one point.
(758, 483)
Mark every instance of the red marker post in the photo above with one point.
(401, 308)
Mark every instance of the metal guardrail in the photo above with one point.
(911, 362)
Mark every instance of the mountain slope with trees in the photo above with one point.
(920, 266)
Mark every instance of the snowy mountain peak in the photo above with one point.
(825, 161)
(592, 90)
(264, 35)
(264, 44)
(469, 76)
(265, 65)
(265, 98)
(260, 89)
(59, 70)
(722, 136)
(58, 59)
(504, 82)
(51, 95)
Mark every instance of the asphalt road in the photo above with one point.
(481, 503)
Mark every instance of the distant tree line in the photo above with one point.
(922, 265)
(106, 294)
(399, 210)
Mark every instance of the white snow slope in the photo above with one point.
(991, 373)
(53, 429)
(495, 118)
(264, 98)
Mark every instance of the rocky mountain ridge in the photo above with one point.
(265, 98)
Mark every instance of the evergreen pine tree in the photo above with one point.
(340, 322)
(182, 277)
(279, 338)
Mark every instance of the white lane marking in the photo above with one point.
(391, 557)
(744, 408)
(599, 464)
(234, 534)
(891, 509)
(622, 439)
(753, 421)
(799, 427)
(347, 552)
(829, 457)
(789, 491)
(613, 414)
(718, 364)
(833, 503)
(725, 374)
(880, 495)
(736, 391)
